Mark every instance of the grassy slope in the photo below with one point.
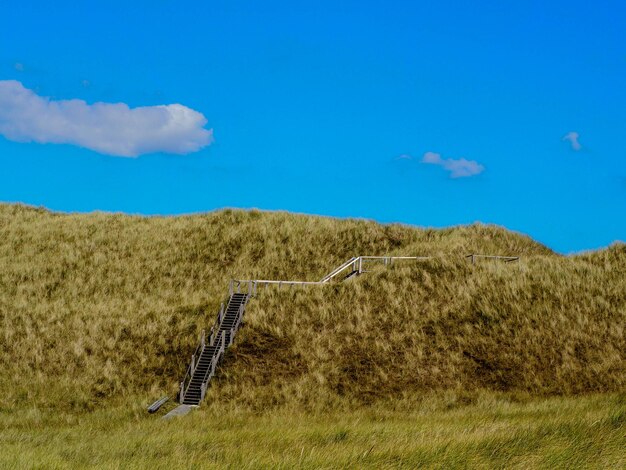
(102, 309)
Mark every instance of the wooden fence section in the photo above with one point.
(355, 265)
(506, 259)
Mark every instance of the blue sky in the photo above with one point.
(427, 113)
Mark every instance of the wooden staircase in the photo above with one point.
(211, 350)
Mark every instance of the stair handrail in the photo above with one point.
(210, 372)
(337, 270)
(214, 334)
(190, 369)
(222, 340)
(356, 262)
(235, 327)
(215, 329)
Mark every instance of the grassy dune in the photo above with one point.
(100, 312)
(539, 328)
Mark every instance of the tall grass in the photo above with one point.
(437, 432)
(97, 307)
(436, 362)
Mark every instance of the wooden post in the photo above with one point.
(182, 392)
(230, 288)
(193, 363)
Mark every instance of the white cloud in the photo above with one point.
(458, 168)
(572, 137)
(109, 128)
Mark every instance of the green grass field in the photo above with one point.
(436, 363)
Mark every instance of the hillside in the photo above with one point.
(106, 308)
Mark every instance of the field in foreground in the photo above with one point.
(437, 432)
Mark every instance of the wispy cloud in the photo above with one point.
(572, 138)
(457, 168)
(108, 128)
(19, 66)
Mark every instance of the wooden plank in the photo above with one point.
(180, 410)
(157, 404)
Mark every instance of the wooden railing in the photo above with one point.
(216, 337)
(214, 361)
(192, 367)
(506, 259)
(356, 265)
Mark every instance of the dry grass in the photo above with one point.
(437, 432)
(548, 326)
(103, 310)
(100, 306)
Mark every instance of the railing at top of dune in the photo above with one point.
(356, 264)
